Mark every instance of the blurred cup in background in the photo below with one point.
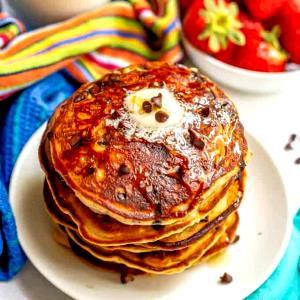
(36, 13)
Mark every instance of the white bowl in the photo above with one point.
(238, 78)
(36, 13)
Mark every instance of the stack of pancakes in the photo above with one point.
(155, 196)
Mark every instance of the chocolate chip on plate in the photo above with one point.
(292, 139)
(236, 239)
(297, 161)
(126, 276)
(226, 278)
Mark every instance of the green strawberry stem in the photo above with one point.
(272, 37)
(222, 25)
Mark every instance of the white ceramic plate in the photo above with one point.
(264, 230)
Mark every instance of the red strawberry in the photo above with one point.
(184, 5)
(264, 9)
(213, 27)
(262, 51)
(290, 27)
(250, 28)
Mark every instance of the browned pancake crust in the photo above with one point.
(66, 207)
(73, 140)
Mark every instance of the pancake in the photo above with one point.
(145, 169)
(62, 238)
(225, 206)
(162, 262)
(174, 242)
(167, 171)
(102, 230)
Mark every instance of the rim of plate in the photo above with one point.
(38, 265)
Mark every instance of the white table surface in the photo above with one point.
(271, 118)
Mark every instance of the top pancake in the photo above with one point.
(153, 173)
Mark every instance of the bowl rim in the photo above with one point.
(231, 68)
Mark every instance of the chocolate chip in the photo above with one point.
(288, 147)
(204, 220)
(102, 143)
(126, 276)
(226, 278)
(116, 114)
(179, 171)
(81, 96)
(50, 135)
(104, 140)
(293, 137)
(157, 100)
(161, 116)
(105, 219)
(149, 188)
(157, 227)
(75, 141)
(121, 196)
(176, 172)
(242, 165)
(102, 84)
(94, 89)
(205, 112)
(236, 239)
(158, 210)
(196, 76)
(91, 170)
(297, 161)
(147, 106)
(196, 140)
(123, 170)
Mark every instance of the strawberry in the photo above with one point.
(213, 27)
(264, 9)
(184, 5)
(290, 27)
(262, 51)
(250, 28)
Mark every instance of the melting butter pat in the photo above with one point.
(170, 106)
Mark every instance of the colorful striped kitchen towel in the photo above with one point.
(115, 35)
